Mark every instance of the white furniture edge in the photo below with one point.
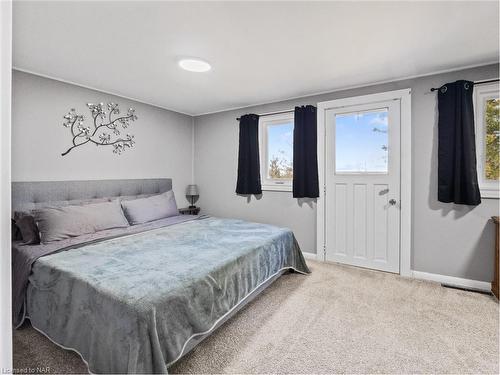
(451, 280)
(406, 204)
(5, 177)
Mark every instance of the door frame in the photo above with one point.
(404, 96)
(5, 185)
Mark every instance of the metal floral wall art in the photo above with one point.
(105, 130)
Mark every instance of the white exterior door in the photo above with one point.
(362, 184)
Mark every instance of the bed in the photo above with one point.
(136, 299)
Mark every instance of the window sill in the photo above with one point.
(286, 188)
(490, 194)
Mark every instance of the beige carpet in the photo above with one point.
(337, 320)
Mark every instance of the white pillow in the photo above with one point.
(138, 211)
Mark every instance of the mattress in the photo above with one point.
(137, 303)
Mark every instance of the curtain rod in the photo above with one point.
(271, 113)
(476, 83)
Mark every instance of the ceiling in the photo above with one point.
(260, 51)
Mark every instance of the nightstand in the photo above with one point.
(189, 211)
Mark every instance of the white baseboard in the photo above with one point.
(311, 256)
(435, 277)
(451, 280)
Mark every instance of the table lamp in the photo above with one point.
(191, 193)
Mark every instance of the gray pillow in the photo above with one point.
(28, 229)
(156, 207)
(58, 223)
(14, 231)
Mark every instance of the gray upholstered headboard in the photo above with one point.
(29, 195)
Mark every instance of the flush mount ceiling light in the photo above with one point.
(194, 65)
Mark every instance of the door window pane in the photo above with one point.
(361, 142)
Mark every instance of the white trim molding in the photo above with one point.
(352, 87)
(5, 177)
(104, 91)
(404, 96)
(483, 93)
(453, 281)
(265, 122)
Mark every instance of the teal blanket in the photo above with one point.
(132, 304)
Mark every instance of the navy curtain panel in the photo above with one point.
(305, 153)
(457, 175)
(248, 156)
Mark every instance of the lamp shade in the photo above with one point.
(192, 190)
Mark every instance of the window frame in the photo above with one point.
(269, 184)
(487, 188)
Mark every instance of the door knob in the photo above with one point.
(392, 202)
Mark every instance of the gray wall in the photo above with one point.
(163, 138)
(449, 240)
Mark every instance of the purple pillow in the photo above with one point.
(156, 207)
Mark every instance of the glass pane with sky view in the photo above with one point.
(280, 150)
(361, 142)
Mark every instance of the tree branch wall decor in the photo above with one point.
(105, 130)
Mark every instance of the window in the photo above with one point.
(486, 107)
(361, 142)
(276, 151)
